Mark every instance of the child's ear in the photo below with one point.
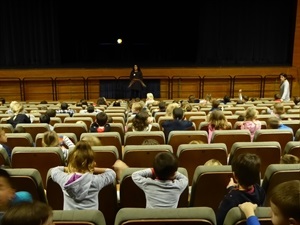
(292, 221)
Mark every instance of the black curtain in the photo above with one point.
(246, 33)
(53, 33)
(28, 34)
(118, 89)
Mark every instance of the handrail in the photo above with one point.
(69, 79)
(13, 79)
(38, 79)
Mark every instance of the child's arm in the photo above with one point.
(140, 177)
(68, 142)
(248, 209)
(99, 170)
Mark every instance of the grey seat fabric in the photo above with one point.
(236, 217)
(195, 215)
(29, 180)
(292, 147)
(82, 217)
(276, 174)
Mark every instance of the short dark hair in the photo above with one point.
(286, 198)
(101, 118)
(2, 100)
(90, 109)
(6, 176)
(165, 165)
(178, 113)
(51, 112)
(64, 106)
(284, 75)
(44, 118)
(246, 168)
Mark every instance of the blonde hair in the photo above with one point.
(218, 120)
(251, 113)
(289, 159)
(279, 108)
(150, 96)
(82, 158)
(197, 142)
(170, 108)
(213, 162)
(92, 140)
(50, 139)
(17, 107)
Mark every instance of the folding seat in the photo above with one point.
(39, 138)
(54, 120)
(76, 128)
(229, 137)
(232, 119)
(62, 116)
(293, 148)
(276, 174)
(236, 217)
(91, 115)
(87, 120)
(118, 119)
(264, 117)
(170, 216)
(132, 196)
(19, 140)
(8, 128)
(105, 156)
(4, 159)
(269, 152)
(143, 155)
(209, 186)
(162, 119)
(155, 127)
(187, 115)
(79, 217)
(40, 158)
(197, 120)
(158, 114)
(137, 138)
(282, 136)
(192, 155)
(29, 180)
(178, 137)
(115, 114)
(291, 116)
(118, 127)
(294, 124)
(107, 197)
(234, 108)
(107, 139)
(297, 135)
(34, 128)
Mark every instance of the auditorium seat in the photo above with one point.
(170, 216)
(209, 186)
(30, 180)
(276, 174)
(192, 155)
(236, 217)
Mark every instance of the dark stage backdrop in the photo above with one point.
(118, 89)
(54, 33)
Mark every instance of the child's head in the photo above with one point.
(217, 119)
(28, 213)
(64, 106)
(285, 203)
(251, 114)
(140, 121)
(19, 129)
(50, 139)
(246, 169)
(289, 159)
(17, 107)
(44, 118)
(81, 159)
(101, 118)
(165, 165)
(3, 137)
(90, 109)
(92, 140)
(178, 113)
(213, 162)
(51, 112)
(150, 141)
(196, 142)
(7, 191)
(277, 96)
(279, 108)
(273, 122)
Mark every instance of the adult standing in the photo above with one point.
(136, 82)
(284, 87)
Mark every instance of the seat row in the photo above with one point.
(207, 190)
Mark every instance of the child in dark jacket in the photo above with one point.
(246, 172)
